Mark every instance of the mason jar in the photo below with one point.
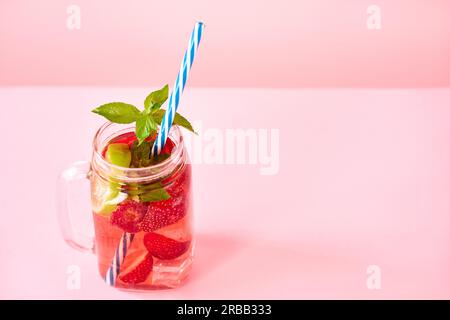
(142, 216)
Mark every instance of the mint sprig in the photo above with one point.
(145, 126)
(154, 195)
(148, 193)
(148, 119)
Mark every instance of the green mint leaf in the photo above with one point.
(140, 154)
(137, 189)
(178, 120)
(145, 125)
(154, 195)
(156, 106)
(155, 99)
(118, 112)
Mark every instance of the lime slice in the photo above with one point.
(108, 197)
(119, 154)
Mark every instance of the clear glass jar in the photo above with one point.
(141, 241)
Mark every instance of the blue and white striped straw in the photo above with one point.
(174, 98)
(166, 124)
(119, 256)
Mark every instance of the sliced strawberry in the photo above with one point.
(164, 248)
(167, 147)
(167, 212)
(128, 215)
(127, 138)
(141, 272)
(163, 213)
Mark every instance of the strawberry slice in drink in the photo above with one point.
(163, 213)
(140, 273)
(165, 248)
(128, 215)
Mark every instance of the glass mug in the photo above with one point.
(141, 242)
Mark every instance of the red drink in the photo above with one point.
(129, 200)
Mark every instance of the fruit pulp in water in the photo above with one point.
(160, 254)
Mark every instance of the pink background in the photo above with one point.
(364, 173)
(253, 43)
(364, 180)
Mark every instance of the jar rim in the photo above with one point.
(120, 173)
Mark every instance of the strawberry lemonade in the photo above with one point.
(155, 211)
(141, 200)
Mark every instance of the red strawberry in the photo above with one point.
(167, 147)
(128, 215)
(167, 212)
(163, 213)
(127, 138)
(164, 248)
(141, 272)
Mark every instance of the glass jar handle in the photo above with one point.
(78, 171)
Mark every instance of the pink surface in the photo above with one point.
(364, 180)
(282, 43)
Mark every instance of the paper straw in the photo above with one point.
(119, 256)
(166, 124)
(174, 99)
